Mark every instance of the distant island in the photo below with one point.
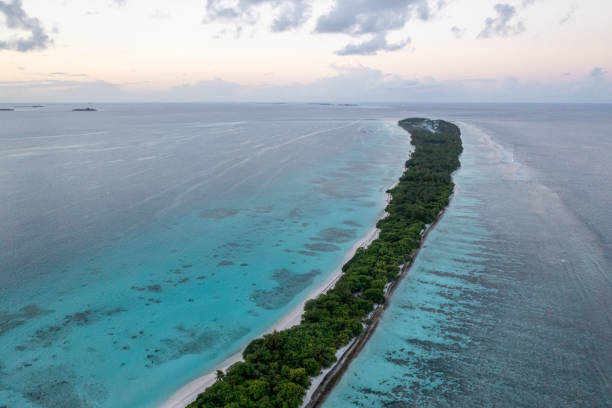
(20, 106)
(84, 110)
(280, 369)
(333, 104)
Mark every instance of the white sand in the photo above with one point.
(316, 381)
(189, 392)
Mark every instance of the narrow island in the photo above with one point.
(6, 109)
(278, 369)
(84, 110)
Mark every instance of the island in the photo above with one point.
(84, 110)
(6, 109)
(280, 369)
(333, 104)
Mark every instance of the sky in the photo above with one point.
(305, 50)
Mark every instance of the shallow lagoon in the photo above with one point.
(144, 246)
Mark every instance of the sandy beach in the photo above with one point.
(189, 392)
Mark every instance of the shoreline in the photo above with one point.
(287, 364)
(189, 392)
(322, 385)
(328, 379)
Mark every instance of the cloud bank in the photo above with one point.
(359, 84)
(17, 19)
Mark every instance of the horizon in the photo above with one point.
(344, 103)
(520, 51)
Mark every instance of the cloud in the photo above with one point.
(527, 3)
(597, 72)
(292, 15)
(357, 17)
(458, 32)
(570, 14)
(288, 14)
(501, 25)
(17, 19)
(372, 46)
(376, 18)
(120, 3)
(159, 15)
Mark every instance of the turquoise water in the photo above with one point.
(508, 303)
(146, 244)
(143, 244)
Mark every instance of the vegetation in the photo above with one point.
(277, 368)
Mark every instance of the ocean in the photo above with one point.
(143, 244)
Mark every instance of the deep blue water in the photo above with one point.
(509, 303)
(142, 244)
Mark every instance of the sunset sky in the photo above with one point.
(304, 50)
